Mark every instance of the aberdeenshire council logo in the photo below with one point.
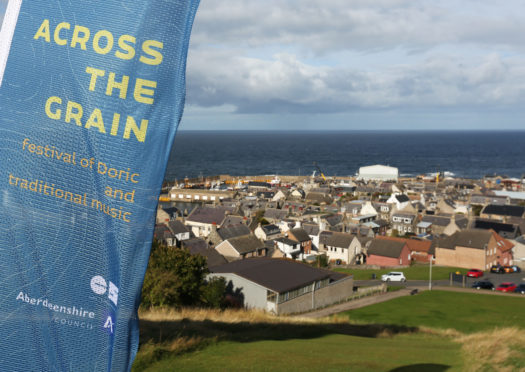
(66, 315)
(99, 286)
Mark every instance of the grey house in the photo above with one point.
(282, 286)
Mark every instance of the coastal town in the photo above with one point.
(270, 236)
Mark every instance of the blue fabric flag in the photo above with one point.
(91, 95)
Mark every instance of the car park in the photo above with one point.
(520, 289)
(483, 284)
(393, 276)
(474, 273)
(506, 287)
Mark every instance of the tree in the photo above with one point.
(174, 277)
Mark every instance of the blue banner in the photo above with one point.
(91, 95)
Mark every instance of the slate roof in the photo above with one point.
(334, 219)
(385, 248)
(324, 236)
(311, 229)
(300, 234)
(233, 230)
(340, 240)
(195, 243)
(278, 275)
(209, 215)
(213, 258)
(177, 227)
(286, 241)
(507, 230)
(504, 210)
(235, 220)
(246, 244)
(471, 238)
(414, 245)
(271, 229)
(275, 214)
(402, 198)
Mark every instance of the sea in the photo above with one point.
(465, 154)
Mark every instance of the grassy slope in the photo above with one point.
(416, 272)
(249, 341)
(464, 312)
(327, 353)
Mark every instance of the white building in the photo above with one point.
(378, 173)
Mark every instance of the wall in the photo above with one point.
(382, 261)
(322, 297)
(254, 294)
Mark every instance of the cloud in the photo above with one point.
(334, 56)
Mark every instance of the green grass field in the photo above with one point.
(460, 330)
(415, 272)
(465, 312)
(326, 353)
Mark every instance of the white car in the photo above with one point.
(393, 276)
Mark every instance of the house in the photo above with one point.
(289, 248)
(473, 248)
(420, 249)
(404, 223)
(180, 231)
(198, 246)
(518, 251)
(438, 224)
(242, 247)
(343, 248)
(302, 237)
(506, 230)
(164, 235)
(267, 232)
(282, 286)
(202, 219)
(502, 212)
(388, 253)
(317, 198)
(274, 215)
(218, 235)
(400, 201)
(313, 230)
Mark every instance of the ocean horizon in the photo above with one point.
(462, 153)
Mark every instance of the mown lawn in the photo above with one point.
(464, 312)
(333, 352)
(415, 272)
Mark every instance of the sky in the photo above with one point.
(356, 65)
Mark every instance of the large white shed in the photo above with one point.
(378, 173)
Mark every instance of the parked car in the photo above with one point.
(516, 269)
(483, 284)
(506, 287)
(507, 269)
(497, 269)
(393, 276)
(520, 289)
(474, 273)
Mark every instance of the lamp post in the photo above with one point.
(430, 276)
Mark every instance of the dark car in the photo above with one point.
(497, 269)
(520, 289)
(483, 284)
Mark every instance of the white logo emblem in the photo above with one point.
(100, 287)
(109, 324)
